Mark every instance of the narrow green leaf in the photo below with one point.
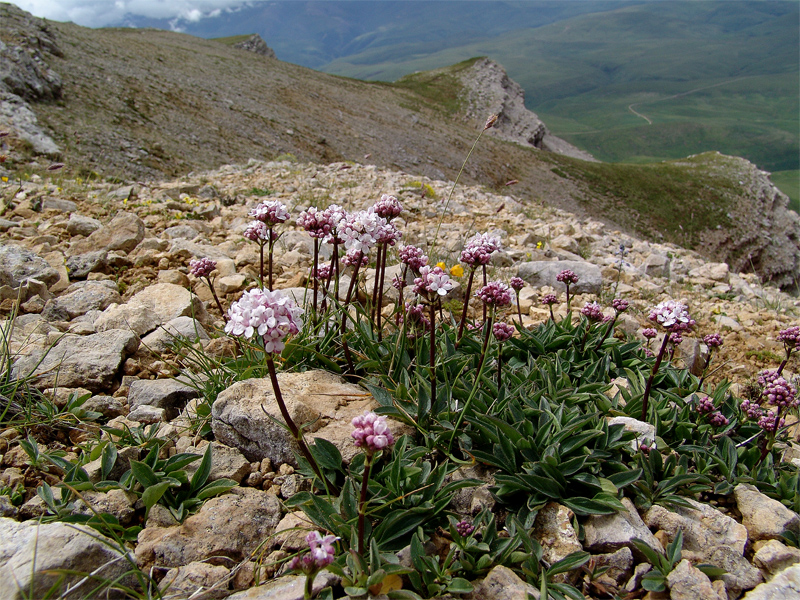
(215, 488)
(569, 563)
(327, 454)
(144, 474)
(203, 471)
(459, 585)
(153, 494)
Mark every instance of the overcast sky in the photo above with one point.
(97, 13)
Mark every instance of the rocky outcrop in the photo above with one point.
(25, 76)
(256, 44)
(763, 234)
(488, 90)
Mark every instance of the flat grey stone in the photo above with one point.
(168, 394)
(541, 273)
(17, 265)
(30, 553)
(90, 361)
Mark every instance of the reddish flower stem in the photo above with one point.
(646, 397)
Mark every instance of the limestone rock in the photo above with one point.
(197, 580)
(30, 552)
(502, 584)
(226, 463)
(489, 90)
(317, 398)
(168, 301)
(80, 265)
(163, 338)
(656, 265)
(541, 273)
(608, 533)
(785, 586)
(169, 394)
(114, 502)
(124, 232)
(256, 44)
(232, 526)
(138, 319)
(84, 296)
(290, 534)
(289, 587)
(764, 517)
(553, 530)
(18, 265)
(645, 432)
(82, 225)
(688, 583)
(18, 115)
(239, 421)
(90, 361)
(773, 557)
(619, 566)
(704, 528)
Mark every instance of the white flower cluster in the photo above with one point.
(361, 230)
(672, 316)
(271, 315)
(432, 280)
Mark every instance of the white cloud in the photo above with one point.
(98, 13)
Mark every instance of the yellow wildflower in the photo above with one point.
(457, 271)
(442, 266)
(539, 245)
(5, 179)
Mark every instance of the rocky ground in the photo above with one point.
(101, 275)
(142, 104)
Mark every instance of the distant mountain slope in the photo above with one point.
(145, 103)
(627, 81)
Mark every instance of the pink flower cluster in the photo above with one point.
(502, 331)
(323, 272)
(416, 319)
(790, 337)
(388, 234)
(672, 316)
(780, 392)
(751, 409)
(479, 248)
(767, 422)
(649, 333)
(412, 256)
(517, 283)
(549, 299)
(270, 212)
(320, 555)
(202, 267)
(316, 222)
(257, 231)
(593, 311)
(567, 277)
(371, 432)
(464, 528)
(271, 315)
(620, 305)
(495, 293)
(705, 405)
(356, 258)
(388, 207)
(713, 340)
(717, 419)
(432, 281)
